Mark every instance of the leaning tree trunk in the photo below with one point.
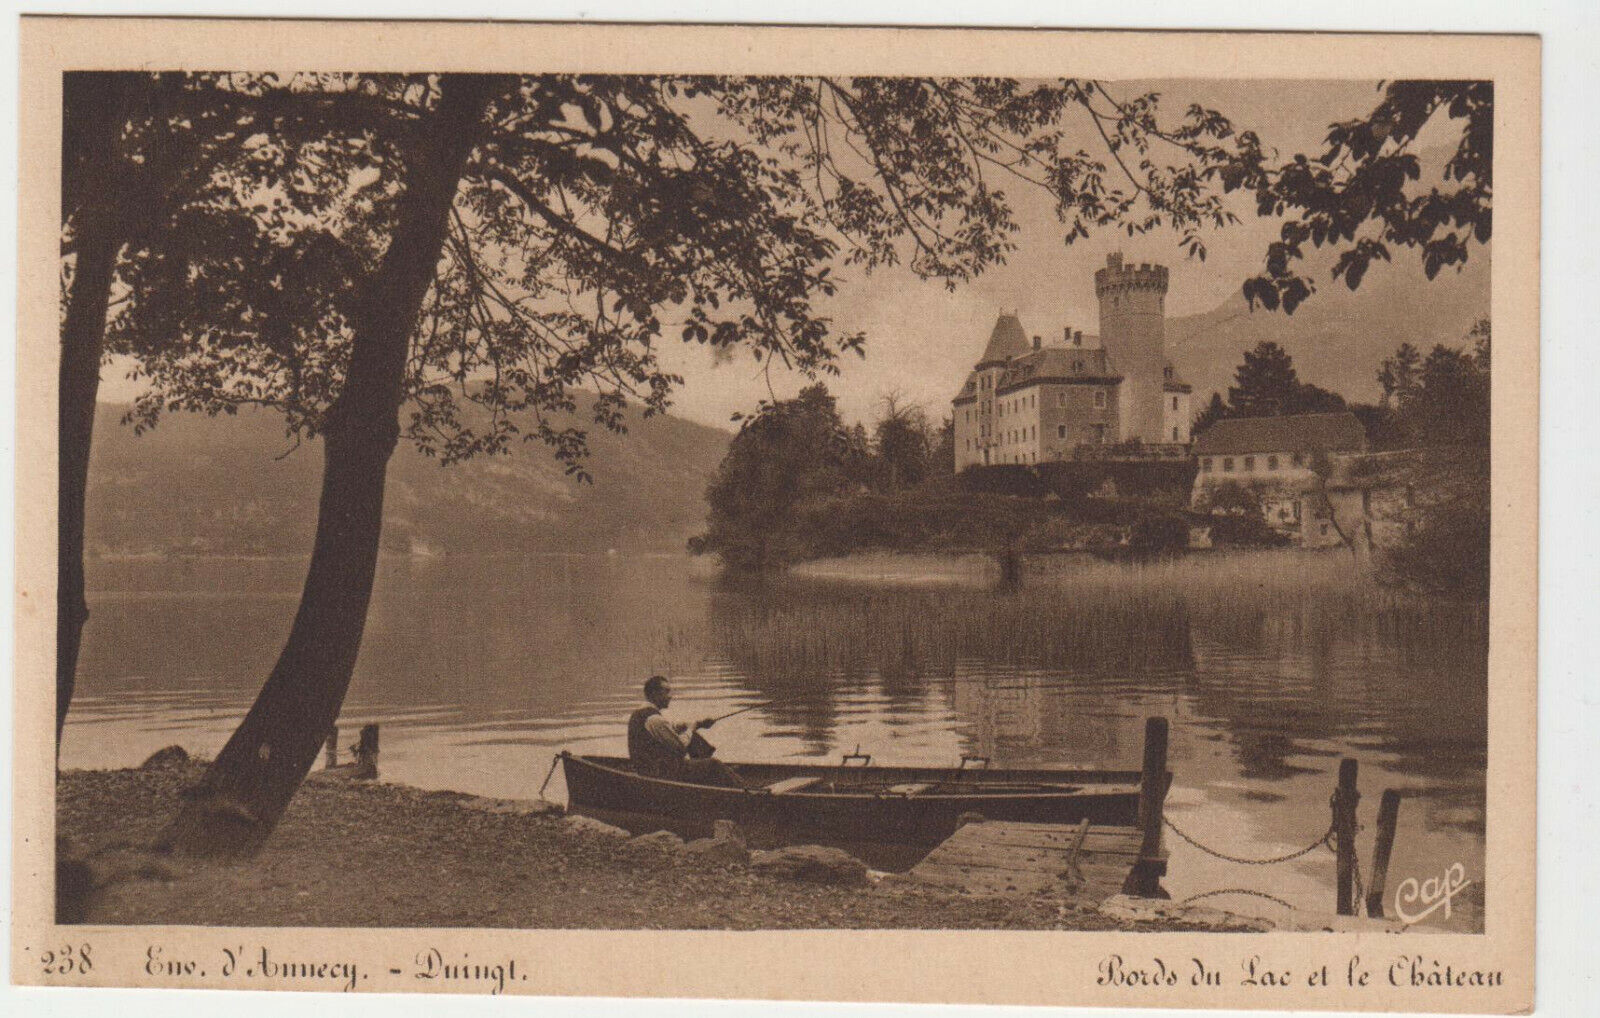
(93, 176)
(83, 331)
(248, 787)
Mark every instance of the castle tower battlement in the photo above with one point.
(1119, 278)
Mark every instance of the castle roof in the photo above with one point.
(1337, 432)
(1059, 363)
(1006, 341)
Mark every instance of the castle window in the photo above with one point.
(1077, 365)
(1205, 465)
(1272, 462)
(1298, 459)
(1061, 400)
(1249, 463)
(1174, 434)
(1174, 402)
(1099, 399)
(1061, 431)
(1227, 464)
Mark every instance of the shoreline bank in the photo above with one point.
(384, 855)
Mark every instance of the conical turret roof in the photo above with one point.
(1006, 341)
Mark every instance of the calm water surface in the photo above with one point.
(481, 669)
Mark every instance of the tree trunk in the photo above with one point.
(246, 790)
(94, 109)
(1010, 560)
(83, 332)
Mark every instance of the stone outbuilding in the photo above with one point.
(1284, 466)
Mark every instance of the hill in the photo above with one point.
(225, 486)
(1338, 337)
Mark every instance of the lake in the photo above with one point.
(1271, 667)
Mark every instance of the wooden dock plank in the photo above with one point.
(1002, 857)
(1097, 840)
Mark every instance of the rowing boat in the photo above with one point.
(888, 816)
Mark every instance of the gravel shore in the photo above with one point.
(374, 854)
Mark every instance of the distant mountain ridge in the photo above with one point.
(224, 486)
(1338, 337)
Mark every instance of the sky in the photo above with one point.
(922, 339)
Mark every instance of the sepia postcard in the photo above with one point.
(921, 515)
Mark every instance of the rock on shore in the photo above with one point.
(817, 864)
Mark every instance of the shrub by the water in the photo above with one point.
(1003, 479)
(1158, 535)
(1244, 530)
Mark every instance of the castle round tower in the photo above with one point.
(1132, 329)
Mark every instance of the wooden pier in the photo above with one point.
(1083, 861)
(1006, 857)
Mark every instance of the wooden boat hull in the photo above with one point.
(855, 808)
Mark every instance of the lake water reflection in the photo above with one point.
(481, 669)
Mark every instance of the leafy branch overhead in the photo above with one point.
(597, 217)
(1363, 195)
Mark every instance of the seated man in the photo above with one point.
(660, 748)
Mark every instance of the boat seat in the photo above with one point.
(911, 789)
(794, 784)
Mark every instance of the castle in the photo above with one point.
(1031, 402)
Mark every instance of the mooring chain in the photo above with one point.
(1239, 890)
(1355, 861)
(1322, 840)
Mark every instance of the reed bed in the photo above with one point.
(1080, 614)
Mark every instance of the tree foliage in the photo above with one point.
(1448, 403)
(786, 455)
(903, 444)
(1214, 411)
(1398, 376)
(1267, 385)
(1439, 404)
(602, 215)
(1363, 194)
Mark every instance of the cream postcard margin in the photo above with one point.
(936, 966)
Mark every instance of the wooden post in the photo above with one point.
(1345, 798)
(1144, 879)
(1073, 873)
(367, 753)
(333, 748)
(1388, 816)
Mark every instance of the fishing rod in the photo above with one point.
(708, 722)
(993, 684)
